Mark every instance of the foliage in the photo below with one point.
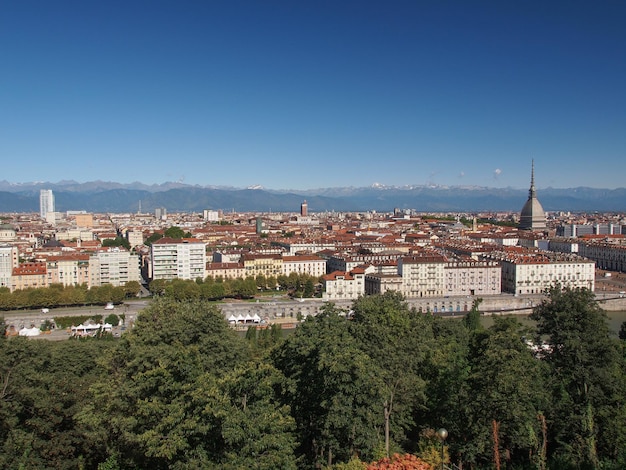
(117, 241)
(400, 462)
(45, 385)
(176, 233)
(57, 295)
(152, 238)
(333, 389)
(397, 339)
(472, 318)
(587, 378)
(67, 321)
(132, 289)
(183, 390)
(506, 387)
(112, 319)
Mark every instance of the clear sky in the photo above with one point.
(307, 94)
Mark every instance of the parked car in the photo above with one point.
(109, 306)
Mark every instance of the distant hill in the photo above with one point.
(99, 196)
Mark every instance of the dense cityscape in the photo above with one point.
(343, 315)
(427, 257)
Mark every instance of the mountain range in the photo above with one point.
(101, 196)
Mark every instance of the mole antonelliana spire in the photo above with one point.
(532, 217)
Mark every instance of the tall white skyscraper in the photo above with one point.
(46, 202)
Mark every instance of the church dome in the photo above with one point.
(532, 216)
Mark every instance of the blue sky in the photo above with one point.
(301, 95)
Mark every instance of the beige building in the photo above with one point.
(113, 265)
(266, 265)
(305, 264)
(7, 233)
(422, 275)
(29, 275)
(470, 277)
(134, 237)
(68, 270)
(379, 283)
(225, 270)
(84, 220)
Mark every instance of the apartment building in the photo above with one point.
(471, 277)
(262, 264)
(225, 270)
(68, 270)
(422, 275)
(29, 275)
(305, 264)
(534, 273)
(9, 259)
(115, 266)
(178, 259)
(341, 285)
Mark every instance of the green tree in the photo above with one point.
(472, 319)
(157, 286)
(45, 384)
(157, 406)
(506, 388)
(256, 432)
(132, 289)
(397, 338)
(333, 389)
(176, 232)
(152, 238)
(587, 379)
(117, 241)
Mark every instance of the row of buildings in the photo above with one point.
(352, 254)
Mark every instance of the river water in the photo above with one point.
(615, 320)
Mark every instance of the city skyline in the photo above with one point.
(303, 96)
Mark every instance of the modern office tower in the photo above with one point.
(532, 217)
(160, 213)
(46, 202)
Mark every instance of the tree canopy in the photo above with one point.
(355, 388)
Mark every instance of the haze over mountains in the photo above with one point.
(101, 196)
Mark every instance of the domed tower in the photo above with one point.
(532, 217)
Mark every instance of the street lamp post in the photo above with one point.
(442, 434)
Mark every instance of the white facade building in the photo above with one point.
(473, 277)
(115, 266)
(178, 259)
(341, 285)
(9, 259)
(536, 274)
(46, 202)
(422, 276)
(311, 265)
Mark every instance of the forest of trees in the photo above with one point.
(182, 390)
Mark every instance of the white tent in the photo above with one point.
(232, 319)
(90, 330)
(256, 318)
(32, 331)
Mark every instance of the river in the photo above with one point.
(615, 320)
